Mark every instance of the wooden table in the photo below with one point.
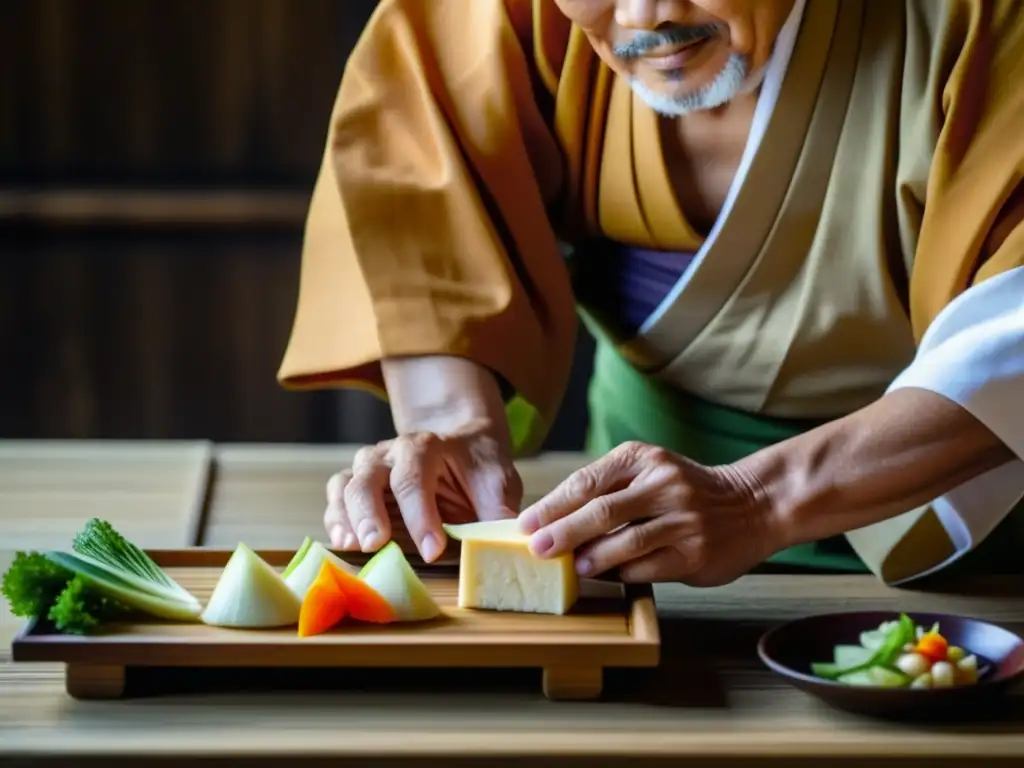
(710, 701)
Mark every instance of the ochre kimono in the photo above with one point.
(473, 184)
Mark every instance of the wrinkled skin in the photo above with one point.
(731, 42)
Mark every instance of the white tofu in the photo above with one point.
(497, 572)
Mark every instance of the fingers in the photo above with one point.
(416, 477)
(364, 498)
(336, 517)
(494, 492)
(418, 462)
(594, 519)
(611, 473)
(489, 483)
(628, 545)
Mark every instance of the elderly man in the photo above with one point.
(793, 227)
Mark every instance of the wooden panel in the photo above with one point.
(205, 113)
(274, 496)
(141, 208)
(153, 494)
(270, 496)
(221, 91)
(153, 337)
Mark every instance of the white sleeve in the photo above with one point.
(973, 354)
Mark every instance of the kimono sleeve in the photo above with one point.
(429, 228)
(967, 289)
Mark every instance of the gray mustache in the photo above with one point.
(644, 42)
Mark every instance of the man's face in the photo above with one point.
(682, 55)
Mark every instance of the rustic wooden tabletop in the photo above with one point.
(710, 700)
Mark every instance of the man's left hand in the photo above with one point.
(656, 517)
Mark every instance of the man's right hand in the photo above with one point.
(448, 464)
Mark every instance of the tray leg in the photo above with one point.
(94, 681)
(573, 683)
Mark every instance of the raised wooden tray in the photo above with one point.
(611, 626)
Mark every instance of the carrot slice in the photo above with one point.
(933, 646)
(364, 602)
(325, 603)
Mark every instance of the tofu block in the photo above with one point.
(497, 571)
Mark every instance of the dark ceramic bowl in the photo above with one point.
(790, 649)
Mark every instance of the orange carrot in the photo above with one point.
(325, 603)
(932, 646)
(364, 602)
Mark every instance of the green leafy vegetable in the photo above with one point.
(154, 599)
(35, 586)
(99, 541)
(32, 583)
(80, 608)
(103, 579)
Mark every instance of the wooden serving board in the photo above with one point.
(611, 625)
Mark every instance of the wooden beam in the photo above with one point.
(141, 208)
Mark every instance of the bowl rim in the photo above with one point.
(806, 677)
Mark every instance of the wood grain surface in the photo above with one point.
(710, 701)
(709, 698)
(274, 496)
(154, 493)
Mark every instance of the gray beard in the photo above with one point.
(730, 82)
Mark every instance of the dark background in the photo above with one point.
(156, 160)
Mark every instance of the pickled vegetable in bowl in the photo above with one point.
(901, 654)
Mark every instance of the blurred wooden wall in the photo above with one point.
(156, 159)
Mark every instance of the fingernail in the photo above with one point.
(368, 535)
(430, 548)
(541, 543)
(528, 522)
(584, 567)
(337, 534)
(349, 542)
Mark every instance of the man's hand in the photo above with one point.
(455, 478)
(451, 461)
(655, 516)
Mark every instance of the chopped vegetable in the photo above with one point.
(251, 595)
(300, 553)
(36, 587)
(149, 597)
(33, 583)
(364, 602)
(305, 567)
(388, 572)
(506, 529)
(932, 646)
(80, 608)
(102, 579)
(967, 670)
(99, 541)
(943, 674)
(900, 654)
(913, 664)
(875, 676)
(325, 603)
